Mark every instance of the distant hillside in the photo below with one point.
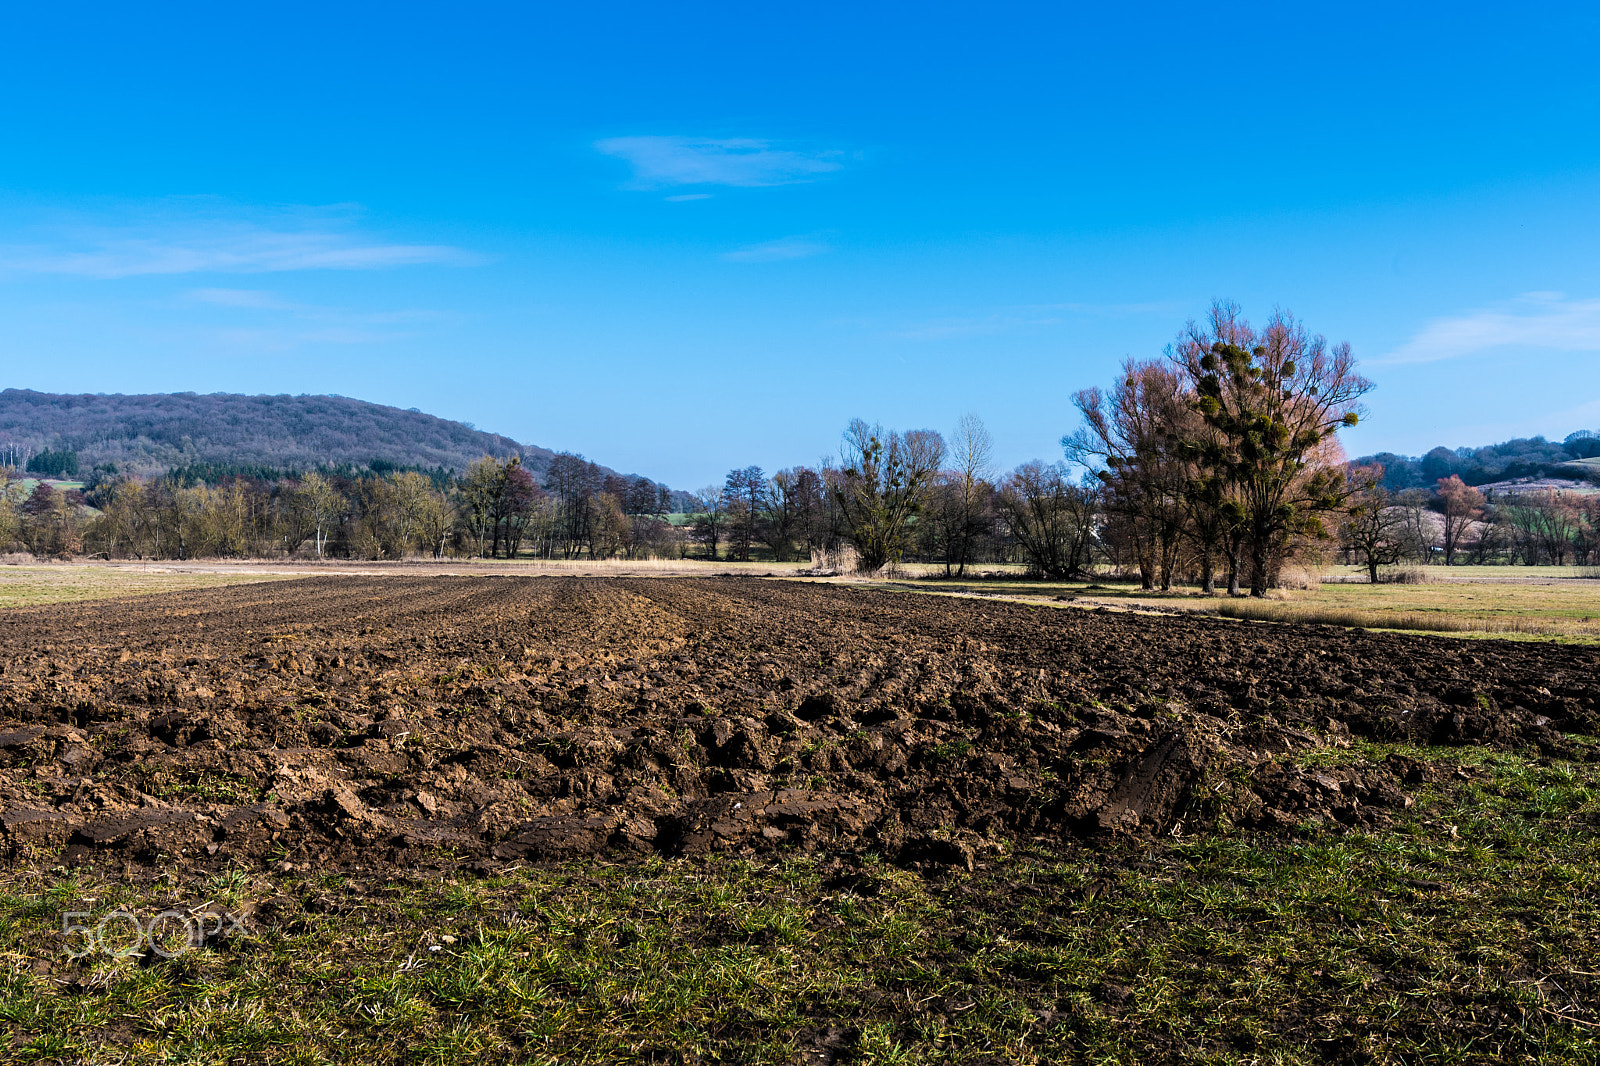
(152, 434)
(1514, 460)
(1590, 467)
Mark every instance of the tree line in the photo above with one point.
(1219, 457)
(1459, 523)
(1218, 461)
(497, 509)
(1525, 457)
(896, 496)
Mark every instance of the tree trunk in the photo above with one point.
(1258, 568)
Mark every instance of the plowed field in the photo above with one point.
(378, 722)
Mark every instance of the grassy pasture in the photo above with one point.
(1568, 609)
(1560, 603)
(26, 585)
(1467, 933)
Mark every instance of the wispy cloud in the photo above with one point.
(1547, 320)
(778, 250)
(255, 299)
(275, 307)
(195, 237)
(666, 161)
(244, 321)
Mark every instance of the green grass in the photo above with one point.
(59, 484)
(1466, 933)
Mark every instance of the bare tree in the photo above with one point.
(966, 511)
(421, 511)
(1130, 440)
(321, 504)
(1461, 505)
(1052, 519)
(1491, 536)
(613, 527)
(1586, 545)
(783, 515)
(1374, 529)
(744, 496)
(883, 482)
(709, 521)
(574, 482)
(818, 521)
(1413, 504)
(11, 497)
(1275, 400)
(1558, 524)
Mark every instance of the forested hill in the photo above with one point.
(152, 434)
(1532, 457)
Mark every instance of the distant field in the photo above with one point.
(31, 483)
(1498, 601)
(1501, 609)
(33, 583)
(22, 586)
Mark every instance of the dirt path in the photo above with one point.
(402, 721)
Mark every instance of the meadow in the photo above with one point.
(26, 584)
(1547, 602)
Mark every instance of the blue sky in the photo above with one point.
(682, 238)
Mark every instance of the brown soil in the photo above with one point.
(495, 720)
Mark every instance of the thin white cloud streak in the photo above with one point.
(777, 251)
(253, 299)
(659, 162)
(242, 251)
(202, 235)
(1548, 320)
(263, 300)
